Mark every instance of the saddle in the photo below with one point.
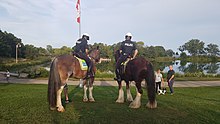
(82, 63)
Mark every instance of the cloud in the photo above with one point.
(169, 23)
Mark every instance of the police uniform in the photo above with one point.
(127, 48)
(80, 51)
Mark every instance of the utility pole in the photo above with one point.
(16, 52)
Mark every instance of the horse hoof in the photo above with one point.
(119, 101)
(129, 100)
(60, 109)
(85, 100)
(91, 100)
(52, 108)
(134, 105)
(152, 105)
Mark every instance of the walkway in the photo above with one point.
(112, 83)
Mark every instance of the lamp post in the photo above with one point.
(16, 52)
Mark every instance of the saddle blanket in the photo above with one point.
(83, 64)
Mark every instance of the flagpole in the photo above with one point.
(79, 29)
(80, 19)
(78, 8)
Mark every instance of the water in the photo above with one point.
(184, 67)
(178, 66)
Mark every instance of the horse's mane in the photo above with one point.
(91, 50)
(117, 54)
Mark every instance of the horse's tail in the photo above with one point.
(53, 84)
(150, 79)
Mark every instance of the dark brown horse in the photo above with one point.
(137, 70)
(61, 69)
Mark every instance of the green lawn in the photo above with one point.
(20, 103)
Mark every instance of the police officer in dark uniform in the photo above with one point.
(81, 51)
(128, 50)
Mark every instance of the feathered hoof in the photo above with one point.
(135, 105)
(152, 105)
(52, 108)
(119, 101)
(130, 100)
(60, 109)
(91, 100)
(85, 100)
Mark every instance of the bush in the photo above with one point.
(42, 72)
(104, 74)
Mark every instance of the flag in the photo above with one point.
(78, 11)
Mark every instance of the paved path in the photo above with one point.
(113, 83)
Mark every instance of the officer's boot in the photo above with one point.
(90, 72)
(118, 75)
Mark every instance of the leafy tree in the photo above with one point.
(50, 49)
(194, 47)
(150, 52)
(140, 44)
(62, 50)
(170, 53)
(8, 44)
(160, 51)
(183, 55)
(42, 51)
(181, 49)
(30, 51)
(212, 49)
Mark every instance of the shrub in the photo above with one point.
(100, 74)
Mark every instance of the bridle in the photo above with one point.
(94, 56)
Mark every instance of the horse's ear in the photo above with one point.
(97, 47)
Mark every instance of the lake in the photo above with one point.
(184, 67)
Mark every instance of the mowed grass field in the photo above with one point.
(20, 103)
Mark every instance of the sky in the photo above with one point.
(167, 23)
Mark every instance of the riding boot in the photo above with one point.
(90, 72)
(118, 75)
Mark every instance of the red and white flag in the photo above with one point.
(78, 11)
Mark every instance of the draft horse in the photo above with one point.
(137, 70)
(63, 67)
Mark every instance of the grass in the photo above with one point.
(20, 103)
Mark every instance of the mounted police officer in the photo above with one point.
(128, 50)
(81, 50)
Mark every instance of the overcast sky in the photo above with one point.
(168, 23)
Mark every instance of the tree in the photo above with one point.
(160, 51)
(183, 55)
(212, 49)
(181, 49)
(8, 44)
(194, 47)
(30, 51)
(61, 51)
(170, 53)
(50, 49)
(150, 52)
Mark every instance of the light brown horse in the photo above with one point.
(61, 69)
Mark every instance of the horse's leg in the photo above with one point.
(121, 93)
(85, 98)
(152, 103)
(91, 99)
(137, 101)
(129, 96)
(60, 108)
